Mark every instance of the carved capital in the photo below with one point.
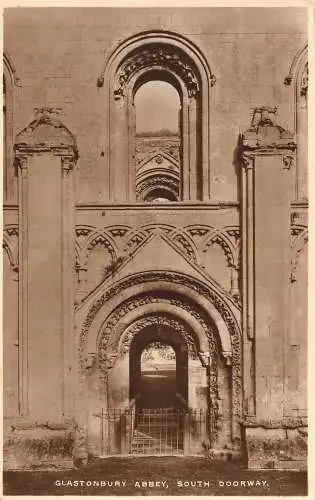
(23, 162)
(248, 161)
(67, 163)
(82, 272)
(234, 291)
(288, 161)
(228, 357)
(213, 80)
(288, 80)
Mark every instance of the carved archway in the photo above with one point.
(144, 310)
(172, 58)
(121, 314)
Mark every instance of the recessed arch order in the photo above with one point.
(174, 59)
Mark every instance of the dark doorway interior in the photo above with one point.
(159, 368)
(158, 376)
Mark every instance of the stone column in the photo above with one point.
(119, 150)
(268, 152)
(46, 152)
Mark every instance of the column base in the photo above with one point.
(276, 447)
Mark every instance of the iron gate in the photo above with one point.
(153, 431)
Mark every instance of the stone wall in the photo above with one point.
(73, 250)
(249, 55)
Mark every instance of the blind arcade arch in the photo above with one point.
(146, 57)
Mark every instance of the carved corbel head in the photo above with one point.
(89, 360)
(205, 358)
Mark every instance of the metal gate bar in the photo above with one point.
(153, 431)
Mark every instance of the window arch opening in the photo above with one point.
(169, 57)
(158, 139)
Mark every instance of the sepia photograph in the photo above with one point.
(155, 239)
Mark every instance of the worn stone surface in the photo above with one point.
(112, 240)
(276, 448)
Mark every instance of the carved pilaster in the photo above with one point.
(68, 162)
(268, 154)
(23, 161)
(56, 151)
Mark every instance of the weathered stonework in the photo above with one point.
(113, 240)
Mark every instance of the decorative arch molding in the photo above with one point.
(176, 321)
(177, 60)
(164, 176)
(297, 66)
(117, 333)
(211, 303)
(158, 320)
(159, 158)
(150, 303)
(11, 253)
(119, 52)
(123, 242)
(11, 233)
(298, 80)
(299, 243)
(9, 69)
(224, 241)
(10, 82)
(103, 239)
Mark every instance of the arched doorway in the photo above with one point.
(158, 378)
(121, 320)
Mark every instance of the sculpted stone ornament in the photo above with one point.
(288, 161)
(154, 182)
(223, 308)
(264, 134)
(89, 360)
(47, 133)
(304, 82)
(157, 55)
(205, 358)
(10, 244)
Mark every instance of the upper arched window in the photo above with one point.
(158, 142)
(182, 161)
(298, 79)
